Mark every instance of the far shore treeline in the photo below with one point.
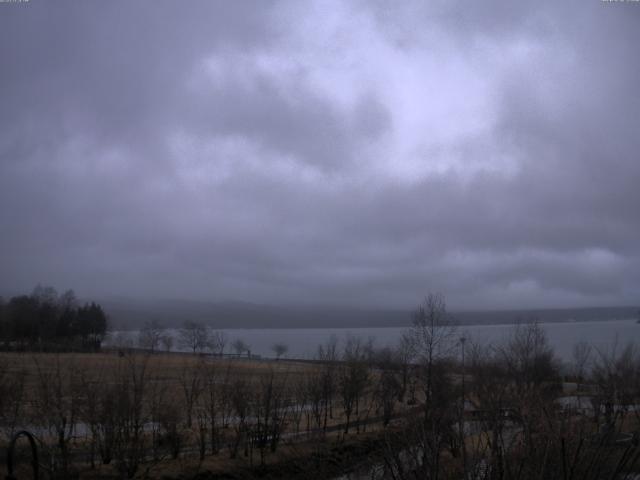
(47, 321)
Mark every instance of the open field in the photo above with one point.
(403, 412)
(132, 413)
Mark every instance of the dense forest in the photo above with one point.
(46, 321)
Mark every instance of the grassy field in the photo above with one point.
(77, 397)
(130, 414)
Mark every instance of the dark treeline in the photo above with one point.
(46, 321)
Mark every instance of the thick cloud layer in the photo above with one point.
(326, 152)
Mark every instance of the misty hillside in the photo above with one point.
(130, 314)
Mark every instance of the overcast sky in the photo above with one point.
(360, 153)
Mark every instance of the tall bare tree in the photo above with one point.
(212, 403)
(328, 356)
(12, 396)
(192, 385)
(615, 372)
(131, 415)
(534, 376)
(270, 412)
(353, 379)
(217, 342)
(56, 403)
(193, 336)
(404, 356)
(239, 400)
(151, 335)
(433, 337)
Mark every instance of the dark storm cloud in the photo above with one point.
(332, 153)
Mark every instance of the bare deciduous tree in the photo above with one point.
(240, 347)
(151, 335)
(170, 420)
(130, 389)
(581, 358)
(328, 355)
(353, 379)
(12, 390)
(534, 376)
(92, 383)
(193, 336)
(167, 342)
(615, 372)
(217, 342)
(191, 383)
(386, 394)
(211, 403)
(270, 413)
(404, 355)
(298, 393)
(490, 390)
(56, 403)
(239, 399)
(279, 349)
(158, 404)
(432, 336)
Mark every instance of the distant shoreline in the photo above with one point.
(361, 327)
(133, 314)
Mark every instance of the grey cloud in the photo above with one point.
(299, 123)
(284, 193)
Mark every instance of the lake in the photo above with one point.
(303, 343)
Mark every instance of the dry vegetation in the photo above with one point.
(423, 410)
(132, 414)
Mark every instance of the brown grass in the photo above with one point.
(168, 369)
(160, 367)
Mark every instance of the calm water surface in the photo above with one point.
(303, 343)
